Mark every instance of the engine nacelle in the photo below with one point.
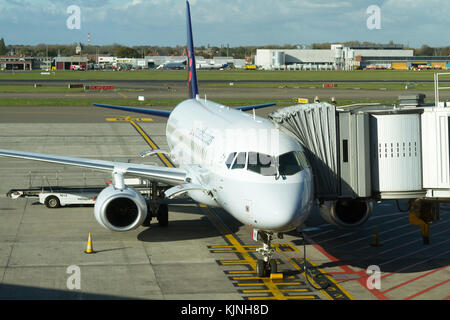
(346, 213)
(120, 210)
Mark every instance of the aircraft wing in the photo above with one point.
(171, 176)
(255, 106)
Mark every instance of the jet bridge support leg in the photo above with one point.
(422, 213)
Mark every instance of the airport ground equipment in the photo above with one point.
(365, 153)
(56, 196)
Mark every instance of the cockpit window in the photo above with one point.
(230, 159)
(239, 163)
(261, 164)
(290, 163)
(287, 164)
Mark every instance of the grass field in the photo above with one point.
(379, 80)
(314, 85)
(341, 86)
(41, 89)
(227, 75)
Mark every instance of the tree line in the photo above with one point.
(240, 52)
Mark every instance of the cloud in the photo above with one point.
(238, 22)
(131, 4)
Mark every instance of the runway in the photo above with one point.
(204, 253)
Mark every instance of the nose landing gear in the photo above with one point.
(267, 265)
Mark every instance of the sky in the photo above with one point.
(221, 22)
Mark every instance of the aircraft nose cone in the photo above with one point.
(288, 207)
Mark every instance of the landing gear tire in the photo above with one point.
(163, 215)
(264, 269)
(52, 202)
(261, 268)
(273, 266)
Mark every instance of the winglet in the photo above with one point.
(192, 72)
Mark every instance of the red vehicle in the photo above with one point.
(76, 67)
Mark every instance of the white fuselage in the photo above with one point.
(202, 135)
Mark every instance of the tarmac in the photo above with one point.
(204, 253)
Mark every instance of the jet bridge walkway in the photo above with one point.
(365, 153)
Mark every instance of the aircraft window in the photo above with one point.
(261, 164)
(290, 163)
(230, 159)
(239, 163)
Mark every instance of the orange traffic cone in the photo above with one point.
(89, 248)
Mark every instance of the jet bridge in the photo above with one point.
(372, 152)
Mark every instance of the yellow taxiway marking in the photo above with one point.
(128, 119)
(240, 272)
(75, 95)
(290, 298)
(256, 284)
(152, 144)
(268, 291)
(122, 95)
(256, 278)
(247, 258)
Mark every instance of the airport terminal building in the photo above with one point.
(340, 57)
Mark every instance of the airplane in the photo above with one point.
(173, 65)
(211, 66)
(226, 158)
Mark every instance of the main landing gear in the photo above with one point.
(156, 209)
(267, 265)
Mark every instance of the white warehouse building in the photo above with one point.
(339, 57)
(150, 62)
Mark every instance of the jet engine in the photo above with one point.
(120, 210)
(346, 213)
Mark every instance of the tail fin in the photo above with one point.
(192, 72)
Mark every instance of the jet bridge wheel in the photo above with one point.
(163, 215)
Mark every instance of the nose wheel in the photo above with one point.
(264, 269)
(267, 265)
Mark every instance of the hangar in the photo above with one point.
(338, 57)
(16, 63)
(66, 63)
(406, 63)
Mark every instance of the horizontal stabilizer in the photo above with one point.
(153, 112)
(255, 106)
